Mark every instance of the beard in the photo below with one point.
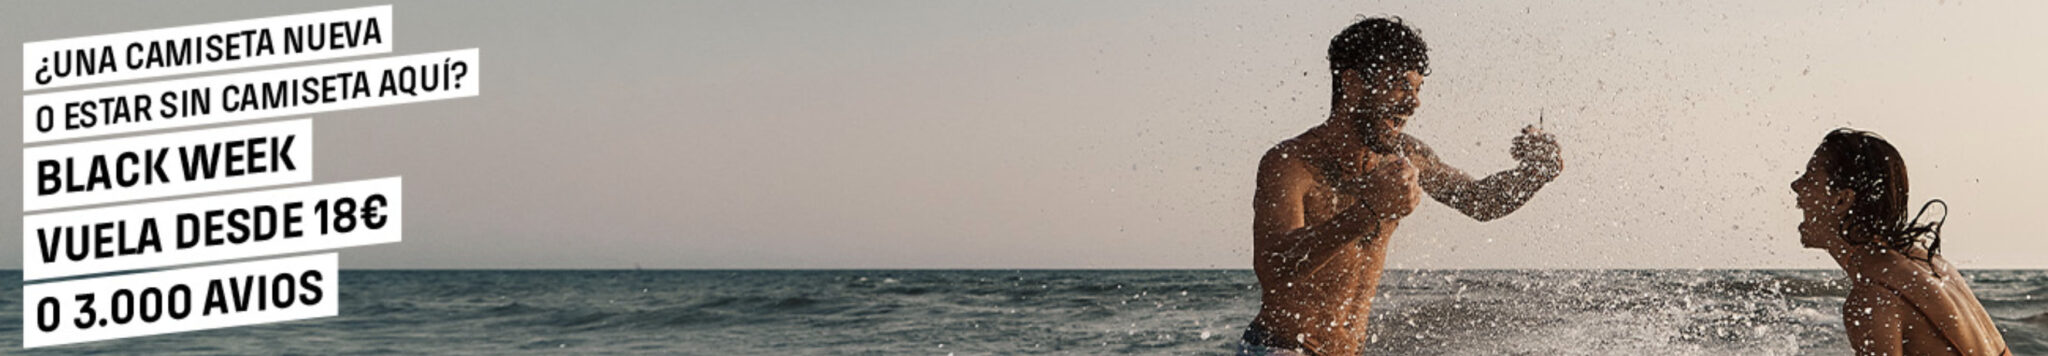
(1379, 136)
(1378, 131)
(1403, 109)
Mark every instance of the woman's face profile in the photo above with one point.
(1823, 207)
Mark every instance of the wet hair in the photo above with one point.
(1865, 162)
(1373, 45)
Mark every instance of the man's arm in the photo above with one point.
(1285, 242)
(1485, 199)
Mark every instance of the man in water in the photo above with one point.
(1329, 199)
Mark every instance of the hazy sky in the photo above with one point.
(1091, 134)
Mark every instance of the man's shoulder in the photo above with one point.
(1290, 149)
(1281, 155)
(1286, 161)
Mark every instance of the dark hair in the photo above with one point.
(1376, 44)
(1865, 162)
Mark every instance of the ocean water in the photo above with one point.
(972, 312)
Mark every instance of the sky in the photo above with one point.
(1088, 134)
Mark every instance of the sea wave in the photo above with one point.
(1480, 312)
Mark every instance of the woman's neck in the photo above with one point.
(1852, 257)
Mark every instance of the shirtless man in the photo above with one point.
(1329, 199)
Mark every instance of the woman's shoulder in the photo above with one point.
(1898, 269)
(1866, 300)
(1930, 288)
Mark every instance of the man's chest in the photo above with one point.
(1324, 201)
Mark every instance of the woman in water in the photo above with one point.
(1905, 298)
